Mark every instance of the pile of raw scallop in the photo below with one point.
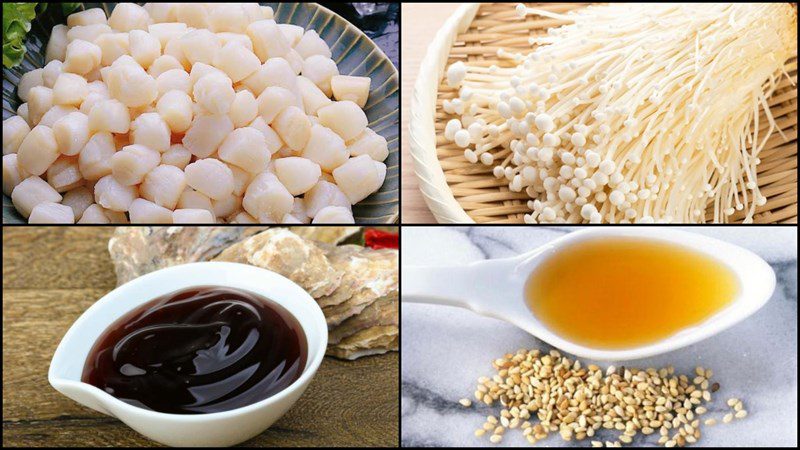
(189, 113)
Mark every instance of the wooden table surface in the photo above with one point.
(419, 25)
(52, 274)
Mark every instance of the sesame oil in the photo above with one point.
(617, 293)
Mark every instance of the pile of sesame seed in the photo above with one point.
(577, 401)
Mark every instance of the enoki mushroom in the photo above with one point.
(631, 113)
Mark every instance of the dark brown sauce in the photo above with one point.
(199, 350)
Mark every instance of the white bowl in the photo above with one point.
(196, 430)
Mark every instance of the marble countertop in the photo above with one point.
(444, 349)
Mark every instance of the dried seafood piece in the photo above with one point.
(288, 254)
(365, 347)
(328, 235)
(342, 259)
(136, 251)
(381, 313)
(378, 273)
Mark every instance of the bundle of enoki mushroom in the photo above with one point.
(631, 112)
(356, 286)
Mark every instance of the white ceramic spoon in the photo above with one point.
(495, 288)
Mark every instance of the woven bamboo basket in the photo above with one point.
(457, 191)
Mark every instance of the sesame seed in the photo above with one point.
(576, 401)
(480, 432)
(741, 414)
(728, 417)
(465, 402)
(495, 438)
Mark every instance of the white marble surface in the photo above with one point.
(444, 350)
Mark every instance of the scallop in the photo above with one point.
(228, 17)
(357, 178)
(128, 16)
(295, 61)
(71, 133)
(325, 148)
(313, 97)
(40, 101)
(311, 44)
(174, 80)
(227, 206)
(241, 179)
(145, 48)
(191, 199)
(214, 93)
(112, 46)
(300, 212)
(266, 196)
(192, 216)
(268, 41)
(55, 114)
(12, 173)
(175, 107)
(244, 109)
(28, 81)
(164, 186)
(30, 192)
(292, 33)
(274, 142)
(113, 195)
(274, 72)
(51, 72)
(320, 70)
(293, 126)
(50, 212)
(297, 174)
(273, 100)
(79, 199)
(144, 211)
(347, 87)
(345, 118)
(162, 64)
(109, 115)
(131, 164)
(369, 143)
(243, 218)
(38, 150)
(323, 194)
(334, 214)
(82, 57)
(192, 14)
(177, 155)
(131, 85)
(64, 174)
(199, 46)
(236, 61)
(57, 45)
(151, 131)
(94, 160)
(162, 12)
(87, 17)
(206, 134)
(94, 214)
(15, 128)
(166, 31)
(211, 177)
(247, 149)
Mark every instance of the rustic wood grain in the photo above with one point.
(423, 21)
(52, 274)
